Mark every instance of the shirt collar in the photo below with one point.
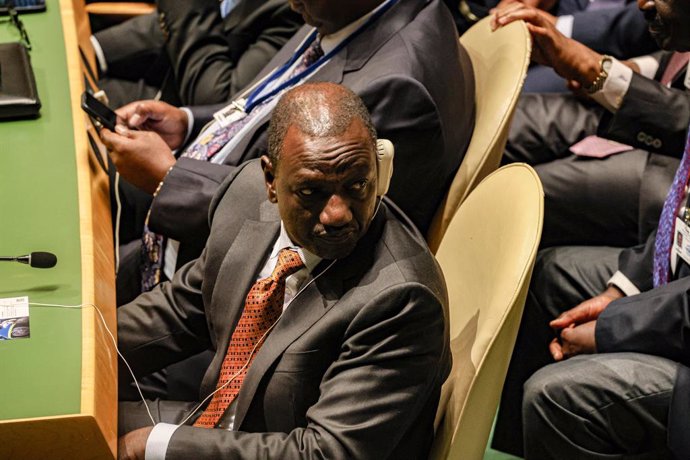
(330, 41)
(310, 260)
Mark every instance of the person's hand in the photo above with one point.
(169, 122)
(575, 340)
(569, 58)
(576, 326)
(141, 157)
(132, 446)
(544, 5)
(589, 310)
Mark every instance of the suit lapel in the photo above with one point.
(319, 296)
(305, 310)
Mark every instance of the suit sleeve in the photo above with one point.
(656, 322)
(210, 63)
(186, 194)
(399, 338)
(165, 325)
(620, 31)
(652, 117)
(131, 58)
(636, 263)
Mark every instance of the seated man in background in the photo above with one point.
(194, 52)
(189, 53)
(402, 57)
(613, 191)
(608, 406)
(341, 346)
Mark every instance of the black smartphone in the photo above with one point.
(98, 111)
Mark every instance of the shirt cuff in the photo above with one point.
(648, 66)
(615, 87)
(159, 438)
(190, 124)
(100, 57)
(621, 282)
(564, 24)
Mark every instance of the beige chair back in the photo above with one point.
(499, 60)
(487, 256)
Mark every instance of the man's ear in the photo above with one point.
(269, 178)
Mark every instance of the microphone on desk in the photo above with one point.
(35, 259)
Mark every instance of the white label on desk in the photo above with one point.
(14, 318)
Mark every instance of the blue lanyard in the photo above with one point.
(254, 100)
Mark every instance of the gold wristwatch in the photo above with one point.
(604, 67)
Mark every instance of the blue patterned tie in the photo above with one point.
(664, 235)
(208, 144)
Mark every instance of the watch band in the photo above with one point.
(598, 82)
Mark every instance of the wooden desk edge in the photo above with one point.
(99, 358)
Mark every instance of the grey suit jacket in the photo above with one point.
(211, 58)
(418, 85)
(353, 368)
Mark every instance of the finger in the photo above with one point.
(124, 131)
(517, 11)
(555, 349)
(572, 316)
(107, 136)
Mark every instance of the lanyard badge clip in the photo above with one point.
(231, 113)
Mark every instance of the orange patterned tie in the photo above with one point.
(262, 309)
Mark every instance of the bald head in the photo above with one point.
(317, 110)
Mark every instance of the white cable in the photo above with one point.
(198, 406)
(112, 337)
(131, 372)
(117, 221)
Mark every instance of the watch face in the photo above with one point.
(606, 64)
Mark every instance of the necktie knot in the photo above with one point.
(289, 262)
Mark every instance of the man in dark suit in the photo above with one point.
(355, 347)
(401, 57)
(616, 200)
(193, 52)
(617, 405)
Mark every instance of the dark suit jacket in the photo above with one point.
(657, 321)
(211, 58)
(418, 85)
(353, 368)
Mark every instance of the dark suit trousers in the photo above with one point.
(562, 278)
(614, 201)
(602, 406)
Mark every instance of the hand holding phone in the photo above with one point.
(98, 111)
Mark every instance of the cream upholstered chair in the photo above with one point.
(487, 257)
(499, 60)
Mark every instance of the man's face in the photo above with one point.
(669, 22)
(325, 188)
(329, 16)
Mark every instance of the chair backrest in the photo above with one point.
(499, 61)
(487, 256)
